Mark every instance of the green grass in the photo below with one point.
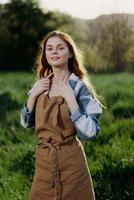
(110, 156)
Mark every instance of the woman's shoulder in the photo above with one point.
(78, 84)
(75, 80)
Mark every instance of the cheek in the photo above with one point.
(47, 54)
(64, 54)
(48, 57)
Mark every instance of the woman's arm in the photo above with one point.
(31, 102)
(84, 109)
(28, 110)
(86, 114)
(28, 113)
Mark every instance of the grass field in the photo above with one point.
(110, 156)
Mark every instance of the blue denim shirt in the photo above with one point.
(85, 118)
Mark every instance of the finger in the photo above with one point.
(45, 74)
(45, 85)
(49, 75)
(45, 80)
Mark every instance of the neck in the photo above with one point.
(60, 75)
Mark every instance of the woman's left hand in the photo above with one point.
(65, 90)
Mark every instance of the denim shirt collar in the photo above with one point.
(73, 79)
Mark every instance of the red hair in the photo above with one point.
(75, 63)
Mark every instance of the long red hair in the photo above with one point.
(75, 63)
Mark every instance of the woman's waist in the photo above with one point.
(55, 132)
(51, 141)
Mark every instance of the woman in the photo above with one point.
(61, 105)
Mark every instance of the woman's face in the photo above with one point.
(57, 52)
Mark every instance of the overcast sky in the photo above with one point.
(88, 9)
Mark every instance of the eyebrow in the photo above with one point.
(52, 45)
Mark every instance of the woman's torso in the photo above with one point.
(52, 120)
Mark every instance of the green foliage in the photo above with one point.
(110, 156)
(23, 25)
(116, 40)
(106, 42)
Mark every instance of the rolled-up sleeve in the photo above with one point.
(27, 118)
(86, 117)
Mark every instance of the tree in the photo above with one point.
(23, 25)
(116, 40)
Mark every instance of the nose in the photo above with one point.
(54, 51)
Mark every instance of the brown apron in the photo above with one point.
(61, 169)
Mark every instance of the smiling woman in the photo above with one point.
(61, 106)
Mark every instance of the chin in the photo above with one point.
(57, 64)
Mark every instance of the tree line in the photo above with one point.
(23, 24)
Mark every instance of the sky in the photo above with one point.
(87, 9)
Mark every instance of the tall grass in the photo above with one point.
(110, 156)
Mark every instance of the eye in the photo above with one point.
(61, 48)
(49, 49)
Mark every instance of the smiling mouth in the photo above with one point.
(55, 58)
